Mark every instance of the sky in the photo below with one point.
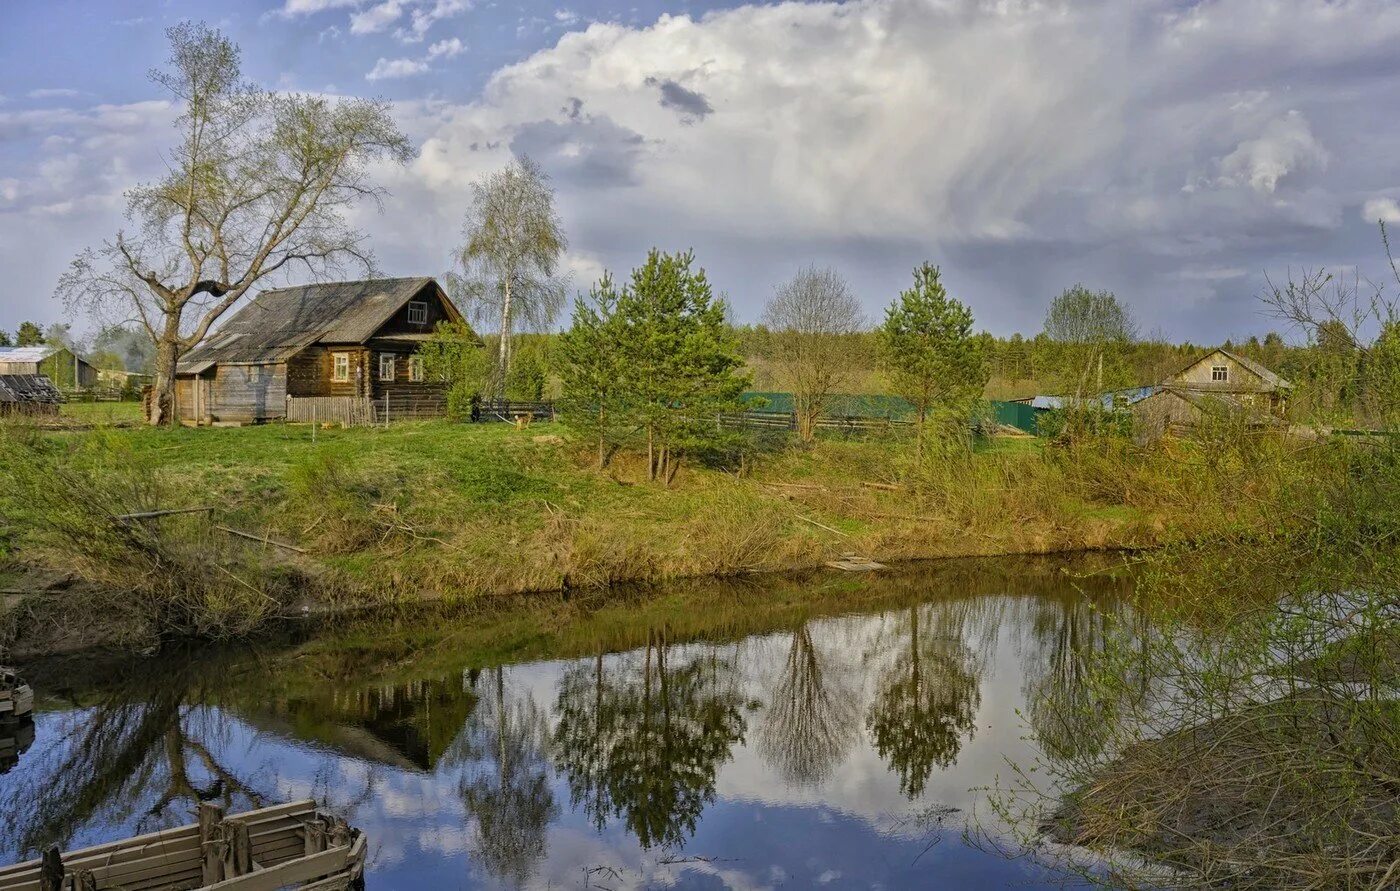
(1175, 153)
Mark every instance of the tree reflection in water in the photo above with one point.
(144, 754)
(811, 721)
(927, 700)
(645, 742)
(507, 790)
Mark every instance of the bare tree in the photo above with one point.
(813, 320)
(258, 184)
(1314, 300)
(509, 262)
(1349, 315)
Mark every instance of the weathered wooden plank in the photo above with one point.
(299, 870)
(138, 844)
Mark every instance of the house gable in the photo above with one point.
(1224, 371)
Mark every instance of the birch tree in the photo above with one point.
(508, 264)
(258, 185)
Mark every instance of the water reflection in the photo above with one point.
(812, 717)
(695, 754)
(643, 742)
(927, 700)
(506, 788)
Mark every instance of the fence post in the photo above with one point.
(313, 420)
(386, 409)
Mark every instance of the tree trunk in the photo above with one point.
(163, 408)
(503, 363)
(651, 456)
(602, 440)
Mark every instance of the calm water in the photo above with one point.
(818, 732)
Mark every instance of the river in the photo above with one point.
(824, 730)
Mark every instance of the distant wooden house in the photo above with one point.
(28, 394)
(56, 362)
(1221, 385)
(346, 339)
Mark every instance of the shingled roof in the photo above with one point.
(278, 324)
(28, 388)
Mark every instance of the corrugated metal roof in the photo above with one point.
(29, 353)
(278, 324)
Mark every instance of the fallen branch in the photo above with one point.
(249, 535)
(888, 487)
(822, 525)
(151, 514)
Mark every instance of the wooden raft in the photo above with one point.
(16, 698)
(286, 846)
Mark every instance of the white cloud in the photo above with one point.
(1023, 145)
(565, 16)
(311, 7)
(422, 19)
(53, 93)
(1386, 210)
(1285, 146)
(446, 48)
(390, 69)
(376, 18)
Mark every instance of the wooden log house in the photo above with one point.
(354, 339)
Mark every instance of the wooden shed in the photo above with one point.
(345, 339)
(57, 362)
(28, 394)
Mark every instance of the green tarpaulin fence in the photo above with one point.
(856, 405)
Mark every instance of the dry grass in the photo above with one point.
(437, 510)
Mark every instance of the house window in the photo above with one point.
(386, 366)
(1220, 372)
(254, 373)
(415, 368)
(340, 367)
(417, 313)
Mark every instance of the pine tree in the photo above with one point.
(29, 334)
(681, 361)
(933, 358)
(593, 368)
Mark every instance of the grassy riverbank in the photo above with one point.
(443, 511)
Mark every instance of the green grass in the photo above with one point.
(102, 412)
(437, 510)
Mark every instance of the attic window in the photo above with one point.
(417, 312)
(1220, 373)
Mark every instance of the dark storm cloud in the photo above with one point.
(590, 151)
(691, 106)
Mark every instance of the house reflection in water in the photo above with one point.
(407, 726)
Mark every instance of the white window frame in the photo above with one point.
(1220, 374)
(417, 312)
(389, 366)
(340, 368)
(415, 368)
(254, 374)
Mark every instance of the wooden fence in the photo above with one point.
(361, 411)
(787, 420)
(347, 411)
